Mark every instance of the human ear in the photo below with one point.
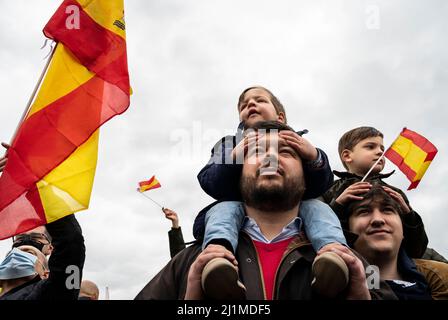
(281, 117)
(50, 249)
(346, 156)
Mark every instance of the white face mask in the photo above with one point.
(17, 264)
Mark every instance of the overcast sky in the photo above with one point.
(335, 65)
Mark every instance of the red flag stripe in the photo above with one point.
(145, 183)
(414, 184)
(24, 213)
(99, 49)
(420, 142)
(50, 135)
(393, 156)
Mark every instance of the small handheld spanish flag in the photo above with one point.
(152, 183)
(412, 153)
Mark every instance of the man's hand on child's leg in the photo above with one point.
(357, 286)
(194, 287)
(329, 247)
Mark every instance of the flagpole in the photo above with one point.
(376, 162)
(31, 99)
(149, 198)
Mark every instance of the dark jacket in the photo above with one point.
(176, 239)
(293, 280)
(69, 250)
(415, 238)
(408, 270)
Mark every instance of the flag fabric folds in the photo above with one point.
(52, 159)
(152, 183)
(412, 153)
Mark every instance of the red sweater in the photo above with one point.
(270, 255)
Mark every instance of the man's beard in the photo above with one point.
(272, 197)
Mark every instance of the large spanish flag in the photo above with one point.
(412, 153)
(52, 159)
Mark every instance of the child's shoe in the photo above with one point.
(331, 275)
(220, 281)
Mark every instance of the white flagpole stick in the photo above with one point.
(30, 101)
(376, 162)
(149, 198)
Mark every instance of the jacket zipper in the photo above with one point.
(287, 253)
(260, 268)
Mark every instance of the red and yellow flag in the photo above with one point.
(412, 153)
(52, 159)
(152, 183)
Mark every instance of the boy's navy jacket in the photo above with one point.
(220, 177)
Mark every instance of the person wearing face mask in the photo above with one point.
(18, 268)
(37, 237)
(24, 274)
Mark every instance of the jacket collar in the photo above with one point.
(301, 244)
(348, 175)
(23, 285)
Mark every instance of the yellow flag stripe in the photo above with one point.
(412, 155)
(109, 14)
(422, 170)
(64, 75)
(67, 188)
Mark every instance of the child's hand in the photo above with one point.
(241, 148)
(399, 198)
(4, 159)
(352, 192)
(302, 146)
(171, 215)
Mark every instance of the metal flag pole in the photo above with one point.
(31, 99)
(149, 198)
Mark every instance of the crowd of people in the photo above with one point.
(280, 228)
